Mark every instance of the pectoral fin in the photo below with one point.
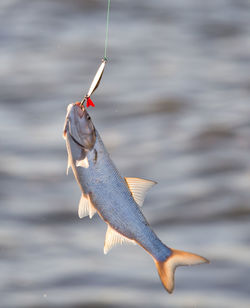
(82, 163)
(68, 166)
(113, 238)
(138, 188)
(86, 208)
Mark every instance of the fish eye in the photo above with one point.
(88, 117)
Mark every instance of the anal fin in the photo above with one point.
(86, 208)
(113, 238)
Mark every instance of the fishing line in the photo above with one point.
(98, 76)
(107, 32)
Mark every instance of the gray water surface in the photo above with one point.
(173, 106)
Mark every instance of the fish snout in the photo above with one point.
(79, 109)
(81, 127)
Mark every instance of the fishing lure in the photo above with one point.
(94, 84)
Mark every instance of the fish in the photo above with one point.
(116, 199)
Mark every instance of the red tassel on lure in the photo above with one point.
(89, 103)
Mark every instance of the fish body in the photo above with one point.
(114, 198)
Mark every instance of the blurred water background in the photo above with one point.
(173, 106)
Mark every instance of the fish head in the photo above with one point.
(79, 126)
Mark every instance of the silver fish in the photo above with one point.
(117, 200)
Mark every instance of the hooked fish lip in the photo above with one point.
(79, 109)
(85, 140)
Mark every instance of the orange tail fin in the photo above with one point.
(167, 268)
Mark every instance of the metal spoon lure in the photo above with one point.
(94, 85)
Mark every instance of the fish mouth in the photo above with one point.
(87, 139)
(79, 111)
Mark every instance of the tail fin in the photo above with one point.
(166, 269)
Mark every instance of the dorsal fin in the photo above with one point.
(138, 188)
(113, 238)
(86, 208)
